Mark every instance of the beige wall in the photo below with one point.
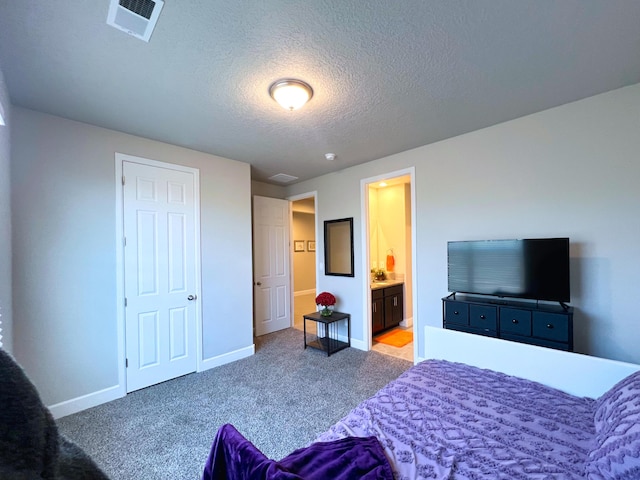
(390, 228)
(304, 263)
(408, 263)
(267, 190)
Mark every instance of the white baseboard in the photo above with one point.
(84, 402)
(407, 322)
(213, 362)
(359, 344)
(304, 292)
(342, 336)
(78, 404)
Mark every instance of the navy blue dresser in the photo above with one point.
(546, 325)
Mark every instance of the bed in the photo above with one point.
(462, 414)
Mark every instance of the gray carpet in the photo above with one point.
(281, 399)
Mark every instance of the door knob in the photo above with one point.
(192, 297)
(258, 283)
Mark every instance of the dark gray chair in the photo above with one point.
(30, 445)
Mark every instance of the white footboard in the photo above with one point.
(574, 373)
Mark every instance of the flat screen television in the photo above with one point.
(536, 269)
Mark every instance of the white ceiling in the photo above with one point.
(387, 75)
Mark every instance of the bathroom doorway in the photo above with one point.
(389, 205)
(303, 264)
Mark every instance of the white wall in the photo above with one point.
(569, 171)
(64, 274)
(5, 221)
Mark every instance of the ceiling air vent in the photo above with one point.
(135, 17)
(282, 178)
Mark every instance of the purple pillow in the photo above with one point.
(616, 454)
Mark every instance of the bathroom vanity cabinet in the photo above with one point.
(387, 307)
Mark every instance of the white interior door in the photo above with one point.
(160, 273)
(272, 279)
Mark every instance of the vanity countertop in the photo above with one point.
(385, 283)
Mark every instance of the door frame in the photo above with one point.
(366, 274)
(120, 306)
(301, 196)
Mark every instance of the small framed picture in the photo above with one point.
(298, 245)
(311, 245)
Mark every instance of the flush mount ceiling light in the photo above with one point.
(291, 94)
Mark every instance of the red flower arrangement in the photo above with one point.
(326, 300)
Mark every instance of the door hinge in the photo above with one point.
(123, 181)
(125, 301)
(124, 241)
(126, 363)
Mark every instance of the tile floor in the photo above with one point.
(406, 352)
(306, 303)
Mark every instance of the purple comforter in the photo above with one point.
(446, 420)
(233, 457)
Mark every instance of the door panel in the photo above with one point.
(160, 273)
(149, 344)
(272, 283)
(147, 251)
(177, 232)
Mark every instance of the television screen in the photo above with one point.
(535, 269)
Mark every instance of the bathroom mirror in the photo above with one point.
(338, 247)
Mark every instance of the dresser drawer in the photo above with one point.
(475, 331)
(540, 342)
(456, 312)
(521, 321)
(483, 317)
(552, 326)
(514, 320)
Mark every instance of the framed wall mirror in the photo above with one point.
(338, 247)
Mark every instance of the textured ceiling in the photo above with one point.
(388, 75)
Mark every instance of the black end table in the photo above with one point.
(327, 338)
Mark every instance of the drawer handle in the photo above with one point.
(514, 321)
(482, 317)
(549, 325)
(455, 312)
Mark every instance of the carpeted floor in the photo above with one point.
(281, 399)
